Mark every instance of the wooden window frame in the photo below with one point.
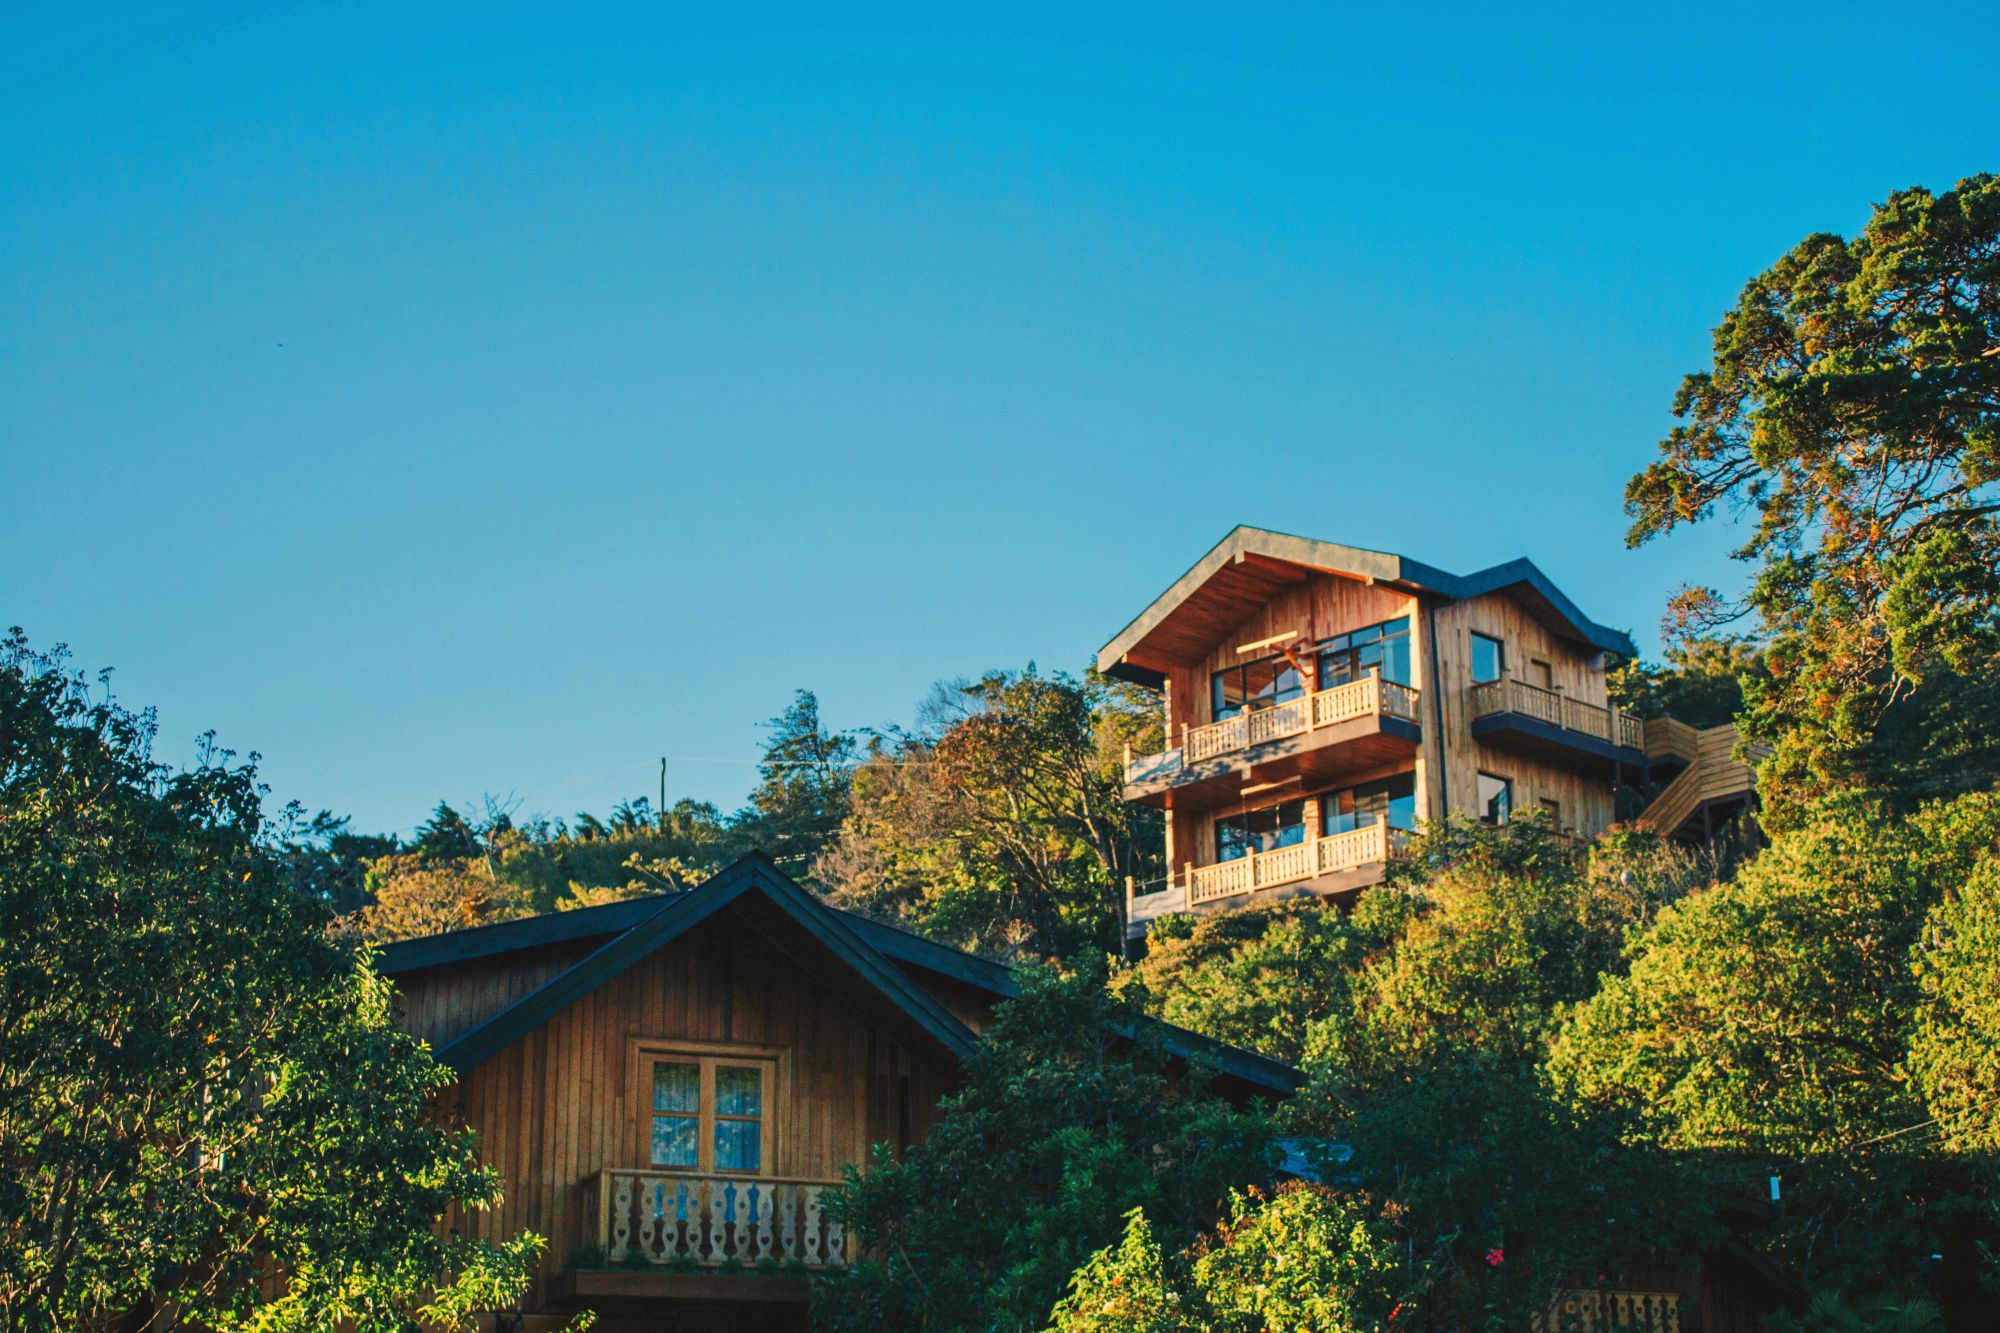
(1507, 784)
(1544, 672)
(774, 1064)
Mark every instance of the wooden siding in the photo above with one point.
(563, 1102)
(1586, 799)
(440, 1003)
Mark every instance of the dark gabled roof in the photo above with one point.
(753, 877)
(636, 927)
(1254, 558)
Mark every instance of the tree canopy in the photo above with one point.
(201, 1091)
(1852, 412)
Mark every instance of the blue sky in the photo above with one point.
(444, 400)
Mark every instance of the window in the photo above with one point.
(1496, 798)
(1541, 673)
(1260, 830)
(1489, 658)
(1393, 799)
(1384, 647)
(710, 1112)
(1264, 683)
(1554, 810)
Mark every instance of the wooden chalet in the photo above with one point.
(670, 1084)
(1321, 700)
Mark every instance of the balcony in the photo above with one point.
(680, 1219)
(1591, 1311)
(1364, 722)
(1550, 724)
(1331, 864)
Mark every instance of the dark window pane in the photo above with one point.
(1369, 635)
(1228, 687)
(739, 1090)
(674, 1140)
(739, 1145)
(1496, 798)
(1488, 658)
(676, 1087)
(1400, 625)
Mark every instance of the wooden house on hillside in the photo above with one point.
(1321, 700)
(670, 1084)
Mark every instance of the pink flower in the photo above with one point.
(1495, 1257)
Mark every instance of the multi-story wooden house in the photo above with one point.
(1322, 700)
(669, 1086)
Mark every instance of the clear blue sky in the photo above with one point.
(444, 400)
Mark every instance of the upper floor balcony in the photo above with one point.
(1539, 720)
(1338, 862)
(1361, 723)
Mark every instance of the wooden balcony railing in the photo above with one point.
(1591, 1311)
(679, 1217)
(1509, 695)
(1289, 865)
(1370, 696)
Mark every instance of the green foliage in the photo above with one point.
(1853, 408)
(1775, 1021)
(999, 824)
(1307, 1260)
(1955, 1048)
(1258, 978)
(801, 796)
(198, 1086)
(1067, 1119)
(1831, 1312)
(1700, 683)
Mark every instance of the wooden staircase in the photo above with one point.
(1713, 772)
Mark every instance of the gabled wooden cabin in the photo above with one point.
(670, 1084)
(1321, 700)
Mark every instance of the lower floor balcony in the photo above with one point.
(1332, 864)
(683, 1220)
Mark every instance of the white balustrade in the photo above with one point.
(1371, 696)
(672, 1217)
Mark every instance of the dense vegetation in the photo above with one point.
(199, 1085)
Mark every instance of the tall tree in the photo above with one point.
(1853, 409)
(1000, 823)
(803, 781)
(199, 1088)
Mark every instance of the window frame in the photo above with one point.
(1329, 801)
(1507, 793)
(1304, 827)
(1542, 674)
(1378, 636)
(1238, 669)
(1499, 657)
(773, 1066)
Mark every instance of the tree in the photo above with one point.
(200, 1090)
(1261, 978)
(801, 795)
(1853, 409)
(1768, 1024)
(446, 836)
(1000, 823)
(1307, 1260)
(1069, 1116)
(1700, 683)
(1955, 1049)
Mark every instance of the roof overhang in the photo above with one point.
(1250, 565)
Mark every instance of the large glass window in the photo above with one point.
(1496, 799)
(1260, 830)
(1384, 647)
(1489, 658)
(1392, 799)
(709, 1113)
(1261, 684)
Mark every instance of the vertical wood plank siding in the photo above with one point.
(558, 1105)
